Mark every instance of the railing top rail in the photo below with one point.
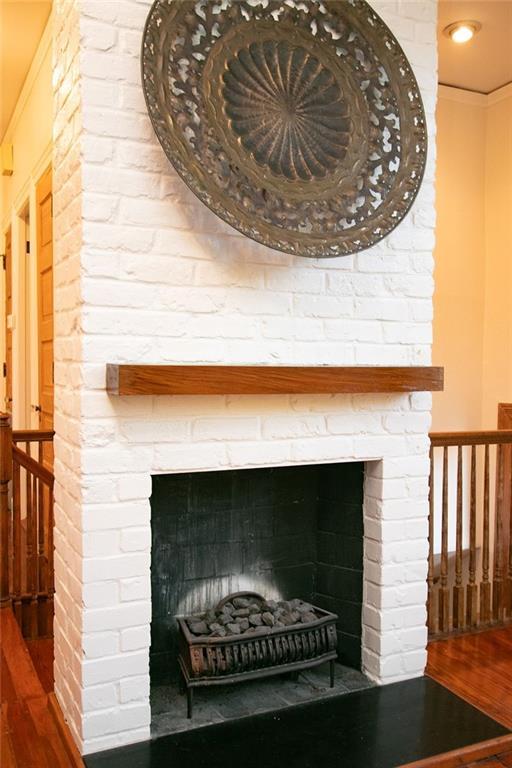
(476, 437)
(32, 435)
(34, 467)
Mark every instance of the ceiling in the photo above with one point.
(485, 63)
(21, 25)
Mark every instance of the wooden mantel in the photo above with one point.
(269, 379)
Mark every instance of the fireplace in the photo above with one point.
(152, 277)
(288, 533)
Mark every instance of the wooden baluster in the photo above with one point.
(497, 587)
(485, 587)
(51, 580)
(509, 512)
(29, 523)
(17, 542)
(472, 588)
(42, 562)
(43, 525)
(5, 516)
(444, 596)
(431, 620)
(34, 602)
(458, 589)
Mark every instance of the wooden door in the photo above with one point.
(45, 300)
(8, 321)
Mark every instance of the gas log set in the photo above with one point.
(246, 637)
(246, 616)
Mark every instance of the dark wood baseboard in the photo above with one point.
(75, 759)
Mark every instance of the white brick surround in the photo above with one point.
(145, 273)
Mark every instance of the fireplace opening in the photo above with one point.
(294, 536)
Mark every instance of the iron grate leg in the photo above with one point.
(190, 702)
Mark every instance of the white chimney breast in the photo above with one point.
(145, 273)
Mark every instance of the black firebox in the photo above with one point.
(283, 532)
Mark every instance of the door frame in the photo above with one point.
(7, 274)
(44, 190)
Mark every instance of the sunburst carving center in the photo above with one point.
(287, 109)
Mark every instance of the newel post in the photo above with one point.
(5, 476)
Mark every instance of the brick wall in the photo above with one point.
(67, 236)
(145, 273)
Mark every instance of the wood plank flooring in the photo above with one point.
(478, 668)
(31, 736)
(41, 653)
(476, 756)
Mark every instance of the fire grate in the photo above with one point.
(207, 660)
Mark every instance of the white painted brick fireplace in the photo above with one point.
(145, 273)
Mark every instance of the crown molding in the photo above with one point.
(461, 96)
(500, 94)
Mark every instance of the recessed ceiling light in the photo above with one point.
(462, 31)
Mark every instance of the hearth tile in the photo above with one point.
(204, 715)
(345, 679)
(353, 679)
(244, 702)
(217, 704)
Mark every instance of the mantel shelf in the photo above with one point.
(269, 379)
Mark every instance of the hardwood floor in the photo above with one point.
(501, 761)
(478, 668)
(474, 757)
(33, 734)
(41, 653)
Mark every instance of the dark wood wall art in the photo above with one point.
(299, 122)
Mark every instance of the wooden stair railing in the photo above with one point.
(26, 528)
(470, 531)
(5, 476)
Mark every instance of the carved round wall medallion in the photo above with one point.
(299, 123)
(280, 102)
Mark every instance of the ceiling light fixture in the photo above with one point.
(462, 31)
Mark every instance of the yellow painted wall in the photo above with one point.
(459, 258)
(497, 350)
(473, 294)
(30, 129)
(30, 132)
